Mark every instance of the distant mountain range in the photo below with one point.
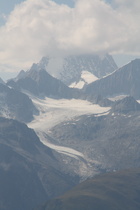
(40, 80)
(123, 81)
(69, 69)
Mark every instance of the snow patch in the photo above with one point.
(86, 78)
(53, 112)
(78, 85)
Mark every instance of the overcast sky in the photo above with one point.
(31, 29)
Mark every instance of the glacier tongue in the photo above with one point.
(76, 161)
(53, 112)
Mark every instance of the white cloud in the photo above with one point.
(41, 27)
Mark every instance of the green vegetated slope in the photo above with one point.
(113, 191)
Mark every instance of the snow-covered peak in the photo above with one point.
(69, 69)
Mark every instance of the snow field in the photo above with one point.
(53, 112)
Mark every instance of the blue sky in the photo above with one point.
(42, 28)
(6, 6)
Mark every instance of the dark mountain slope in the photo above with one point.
(125, 80)
(29, 171)
(114, 191)
(14, 104)
(40, 83)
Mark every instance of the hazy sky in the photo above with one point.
(31, 29)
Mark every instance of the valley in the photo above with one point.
(69, 135)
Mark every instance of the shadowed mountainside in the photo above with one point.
(29, 171)
(114, 191)
(124, 81)
(17, 105)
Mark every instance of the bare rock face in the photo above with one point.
(124, 81)
(69, 69)
(41, 84)
(126, 105)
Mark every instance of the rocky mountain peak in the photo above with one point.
(126, 105)
(68, 69)
(123, 81)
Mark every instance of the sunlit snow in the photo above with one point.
(64, 150)
(86, 78)
(53, 112)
